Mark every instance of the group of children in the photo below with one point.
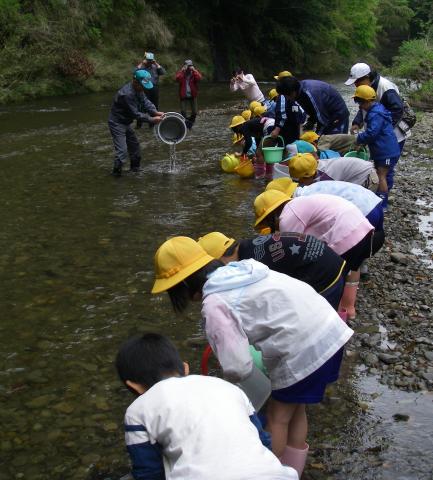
(287, 292)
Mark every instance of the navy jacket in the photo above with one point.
(129, 105)
(390, 99)
(323, 104)
(289, 117)
(379, 134)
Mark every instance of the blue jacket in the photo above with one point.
(390, 99)
(379, 134)
(323, 104)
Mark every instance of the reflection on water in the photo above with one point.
(76, 263)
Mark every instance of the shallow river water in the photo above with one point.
(76, 267)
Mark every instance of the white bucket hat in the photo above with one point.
(358, 70)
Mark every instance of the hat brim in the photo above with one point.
(147, 84)
(350, 81)
(164, 284)
(271, 209)
(276, 77)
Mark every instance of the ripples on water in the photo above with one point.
(76, 264)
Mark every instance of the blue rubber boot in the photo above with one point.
(384, 197)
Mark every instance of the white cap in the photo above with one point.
(358, 70)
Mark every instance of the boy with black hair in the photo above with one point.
(192, 427)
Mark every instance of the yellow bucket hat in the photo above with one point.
(303, 165)
(259, 111)
(284, 73)
(283, 184)
(237, 120)
(267, 202)
(246, 114)
(309, 136)
(215, 243)
(237, 137)
(254, 104)
(175, 260)
(272, 93)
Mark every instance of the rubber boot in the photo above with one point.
(135, 165)
(269, 171)
(259, 170)
(347, 302)
(384, 197)
(183, 114)
(295, 458)
(117, 169)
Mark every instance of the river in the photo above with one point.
(76, 257)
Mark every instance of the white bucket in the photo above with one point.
(172, 128)
(280, 171)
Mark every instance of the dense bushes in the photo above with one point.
(50, 47)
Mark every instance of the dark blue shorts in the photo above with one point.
(387, 162)
(375, 217)
(312, 388)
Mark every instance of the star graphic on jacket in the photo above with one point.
(295, 249)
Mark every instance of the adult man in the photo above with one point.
(388, 95)
(322, 103)
(130, 104)
(188, 77)
(154, 68)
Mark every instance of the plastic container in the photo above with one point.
(172, 128)
(229, 162)
(358, 154)
(245, 169)
(280, 171)
(273, 154)
(257, 388)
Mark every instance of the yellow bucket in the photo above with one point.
(245, 169)
(229, 163)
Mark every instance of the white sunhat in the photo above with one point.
(358, 70)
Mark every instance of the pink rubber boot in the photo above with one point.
(347, 302)
(295, 458)
(269, 171)
(259, 169)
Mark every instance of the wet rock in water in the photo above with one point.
(64, 407)
(40, 402)
(400, 417)
(110, 426)
(90, 459)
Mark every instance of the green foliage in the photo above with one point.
(51, 47)
(415, 60)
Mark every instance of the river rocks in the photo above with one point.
(388, 359)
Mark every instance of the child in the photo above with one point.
(189, 427)
(332, 219)
(379, 136)
(297, 331)
(306, 169)
(303, 257)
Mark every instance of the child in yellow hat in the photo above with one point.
(299, 334)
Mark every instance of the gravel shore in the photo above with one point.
(394, 332)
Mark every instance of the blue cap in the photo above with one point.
(143, 78)
(149, 56)
(304, 147)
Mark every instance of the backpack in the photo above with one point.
(409, 116)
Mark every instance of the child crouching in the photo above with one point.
(189, 427)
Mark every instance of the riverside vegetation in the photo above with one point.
(56, 47)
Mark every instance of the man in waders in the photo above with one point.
(129, 104)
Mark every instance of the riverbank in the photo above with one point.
(392, 349)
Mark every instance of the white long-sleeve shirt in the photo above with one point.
(203, 429)
(248, 85)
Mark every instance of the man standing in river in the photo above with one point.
(129, 104)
